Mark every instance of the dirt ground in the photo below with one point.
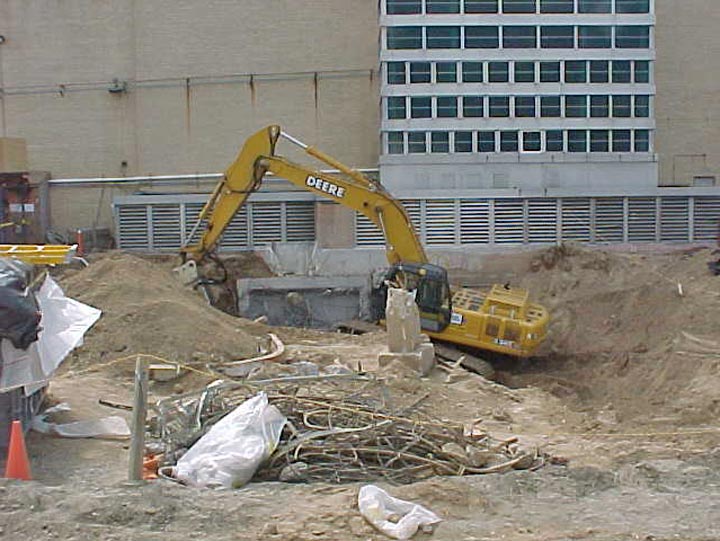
(623, 396)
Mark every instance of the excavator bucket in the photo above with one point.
(187, 273)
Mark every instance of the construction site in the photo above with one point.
(341, 270)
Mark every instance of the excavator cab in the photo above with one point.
(432, 293)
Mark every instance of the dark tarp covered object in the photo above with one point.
(19, 312)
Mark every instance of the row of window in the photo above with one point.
(413, 7)
(568, 71)
(519, 37)
(582, 106)
(444, 142)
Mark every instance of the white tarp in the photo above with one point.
(64, 323)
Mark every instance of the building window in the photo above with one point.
(519, 37)
(525, 106)
(550, 106)
(396, 73)
(621, 107)
(557, 37)
(498, 72)
(481, 6)
(632, 37)
(447, 107)
(463, 141)
(508, 141)
(442, 6)
(557, 6)
(499, 106)
(577, 141)
(594, 6)
(621, 71)
(404, 7)
(554, 141)
(486, 141)
(446, 72)
(404, 37)
(642, 141)
(443, 37)
(524, 72)
(420, 107)
(472, 72)
(599, 106)
(575, 71)
(599, 71)
(599, 141)
(576, 106)
(518, 6)
(642, 71)
(595, 37)
(632, 6)
(396, 142)
(472, 106)
(642, 106)
(482, 37)
(417, 142)
(396, 107)
(531, 141)
(621, 140)
(440, 142)
(419, 72)
(549, 72)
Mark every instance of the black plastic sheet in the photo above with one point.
(19, 311)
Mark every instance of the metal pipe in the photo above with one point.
(294, 141)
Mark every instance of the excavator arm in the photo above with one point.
(352, 190)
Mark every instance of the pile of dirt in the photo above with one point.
(145, 310)
(634, 335)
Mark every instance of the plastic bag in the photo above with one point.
(231, 452)
(19, 312)
(378, 508)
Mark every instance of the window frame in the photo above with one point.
(390, 11)
(576, 103)
(438, 71)
(523, 41)
(484, 137)
(481, 41)
(413, 73)
(481, 72)
(575, 63)
(525, 106)
(419, 141)
(401, 102)
(448, 111)
(544, 107)
(593, 41)
(406, 40)
(429, 9)
(514, 141)
(434, 42)
(433, 142)
(504, 107)
(492, 63)
(428, 106)
(557, 71)
(456, 143)
(393, 144)
(552, 41)
(478, 105)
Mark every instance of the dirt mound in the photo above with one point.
(634, 334)
(146, 311)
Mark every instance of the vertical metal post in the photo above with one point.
(137, 445)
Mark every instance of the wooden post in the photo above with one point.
(137, 445)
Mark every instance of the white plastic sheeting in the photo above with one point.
(64, 323)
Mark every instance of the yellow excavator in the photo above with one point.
(500, 320)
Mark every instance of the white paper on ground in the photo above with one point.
(108, 427)
(64, 323)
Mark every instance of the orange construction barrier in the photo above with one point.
(18, 465)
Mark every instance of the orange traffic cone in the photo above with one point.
(18, 465)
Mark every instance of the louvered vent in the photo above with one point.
(235, 236)
(413, 207)
(509, 221)
(542, 220)
(266, 223)
(366, 233)
(166, 226)
(474, 221)
(192, 211)
(440, 222)
(576, 219)
(300, 221)
(674, 219)
(641, 219)
(707, 218)
(609, 219)
(132, 227)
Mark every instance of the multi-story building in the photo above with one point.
(528, 94)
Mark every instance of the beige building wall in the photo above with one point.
(687, 76)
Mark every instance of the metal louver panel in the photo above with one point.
(440, 221)
(641, 219)
(166, 226)
(674, 219)
(706, 219)
(266, 223)
(132, 227)
(576, 219)
(191, 212)
(366, 233)
(609, 219)
(413, 207)
(509, 221)
(474, 221)
(542, 220)
(299, 221)
(235, 236)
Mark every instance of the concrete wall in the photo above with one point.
(687, 106)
